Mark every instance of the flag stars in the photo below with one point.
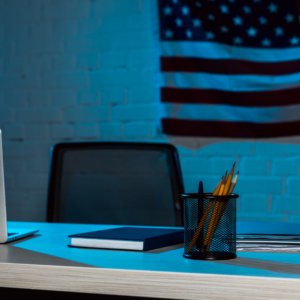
(237, 21)
(247, 9)
(224, 29)
(189, 34)
(278, 31)
(237, 40)
(266, 43)
(224, 9)
(209, 35)
(167, 10)
(252, 32)
(294, 41)
(185, 10)
(289, 18)
(197, 23)
(262, 21)
(211, 17)
(178, 22)
(169, 34)
(183, 24)
(272, 8)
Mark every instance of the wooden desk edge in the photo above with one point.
(168, 285)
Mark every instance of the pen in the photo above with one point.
(200, 211)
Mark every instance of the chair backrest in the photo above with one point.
(115, 183)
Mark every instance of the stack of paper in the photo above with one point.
(260, 236)
(268, 243)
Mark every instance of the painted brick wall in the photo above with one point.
(73, 70)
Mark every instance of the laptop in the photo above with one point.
(6, 234)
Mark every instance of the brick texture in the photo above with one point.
(84, 70)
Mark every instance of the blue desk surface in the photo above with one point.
(53, 240)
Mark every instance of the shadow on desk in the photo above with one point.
(12, 294)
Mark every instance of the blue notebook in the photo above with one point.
(128, 238)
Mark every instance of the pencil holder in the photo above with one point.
(209, 226)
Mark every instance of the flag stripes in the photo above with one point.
(231, 113)
(250, 99)
(228, 66)
(230, 129)
(213, 50)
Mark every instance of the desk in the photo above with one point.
(44, 262)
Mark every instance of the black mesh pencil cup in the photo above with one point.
(209, 226)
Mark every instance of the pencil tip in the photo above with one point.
(237, 172)
(232, 170)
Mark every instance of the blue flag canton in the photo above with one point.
(245, 23)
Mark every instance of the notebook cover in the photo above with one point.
(153, 237)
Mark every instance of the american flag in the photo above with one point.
(229, 68)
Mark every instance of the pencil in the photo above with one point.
(222, 184)
(228, 182)
(217, 189)
(210, 229)
(232, 186)
(221, 210)
(204, 217)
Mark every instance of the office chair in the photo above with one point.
(115, 183)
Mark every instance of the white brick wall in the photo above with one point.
(74, 70)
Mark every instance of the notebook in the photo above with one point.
(128, 238)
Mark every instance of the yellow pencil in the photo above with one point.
(228, 182)
(221, 210)
(216, 190)
(210, 229)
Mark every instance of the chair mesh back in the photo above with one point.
(115, 186)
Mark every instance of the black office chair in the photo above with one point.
(115, 183)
